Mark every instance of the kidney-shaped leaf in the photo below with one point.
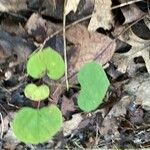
(36, 67)
(45, 61)
(36, 93)
(37, 125)
(54, 63)
(94, 84)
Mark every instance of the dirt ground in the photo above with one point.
(115, 33)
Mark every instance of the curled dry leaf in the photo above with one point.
(140, 47)
(131, 13)
(102, 16)
(71, 6)
(89, 46)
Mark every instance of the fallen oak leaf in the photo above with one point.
(140, 47)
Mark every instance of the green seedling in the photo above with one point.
(32, 125)
(37, 125)
(94, 84)
(46, 61)
(36, 93)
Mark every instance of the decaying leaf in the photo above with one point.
(36, 27)
(120, 108)
(140, 47)
(71, 6)
(139, 88)
(72, 124)
(101, 17)
(109, 128)
(89, 46)
(12, 5)
(10, 45)
(67, 105)
(131, 13)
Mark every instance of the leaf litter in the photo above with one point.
(122, 120)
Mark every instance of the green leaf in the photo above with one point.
(36, 67)
(37, 125)
(36, 93)
(45, 61)
(54, 64)
(94, 84)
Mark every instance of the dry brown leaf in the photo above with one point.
(67, 105)
(36, 27)
(140, 47)
(12, 5)
(102, 16)
(120, 108)
(71, 5)
(109, 125)
(72, 124)
(139, 89)
(89, 46)
(131, 13)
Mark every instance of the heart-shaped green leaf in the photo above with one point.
(94, 85)
(36, 93)
(37, 125)
(45, 61)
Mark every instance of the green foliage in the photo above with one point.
(37, 125)
(94, 85)
(36, 93)
(46, 61)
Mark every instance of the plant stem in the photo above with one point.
(65, 50)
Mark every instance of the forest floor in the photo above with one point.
(114, 33)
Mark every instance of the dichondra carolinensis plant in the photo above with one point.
(37, 125)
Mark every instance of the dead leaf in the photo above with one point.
(12, 5)
(89, 46)
(109, 128)
(67, 105)
(72, 124)
(140, 47)
(71, 5)
(131, 13)
(102, 16)
(120, 108)
(10, 45)
(36, 27)
(139, 89)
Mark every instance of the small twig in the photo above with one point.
(83, 19)
(65, 49)
(2, 126)
(125, 4)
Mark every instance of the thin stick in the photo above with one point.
(65, 49)
(2, 126)
(83, 19)
(125, 4)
